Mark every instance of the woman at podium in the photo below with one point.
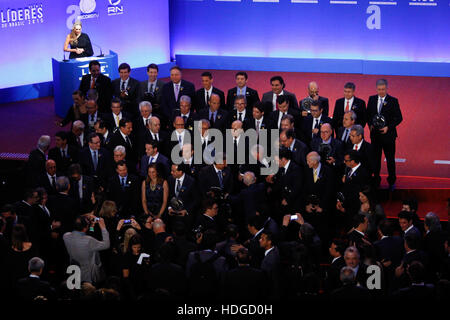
(80, 44)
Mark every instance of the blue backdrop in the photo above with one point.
(32, 32)
(402, 30)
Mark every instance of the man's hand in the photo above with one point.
(384, 130)
(101, 223)
(284, 202)
(269, 178)
(331, 160)
(319, 209)
(309, 208)
(286, 220)
(235, 247)
(135, 225)
(304, 113)
(399, 270)
(299, 219)
(340, 207)
(120, 225)
(56, 224)
(315, 131)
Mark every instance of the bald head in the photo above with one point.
(249, 178)
(313, 159)
(50, 166)
(214, 102)
(313, 90)
(154, 124)
(326, 131)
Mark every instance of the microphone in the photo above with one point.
(100, 48)
(64, 56)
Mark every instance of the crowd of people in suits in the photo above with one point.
(110, 198)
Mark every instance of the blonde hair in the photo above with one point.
(73, 36)
(128, 235)
(108, 209)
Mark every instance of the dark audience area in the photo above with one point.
(125, 204)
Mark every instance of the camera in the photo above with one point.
(378, 121)
(306, 104)
(176, 204)
(313, 200)
(325, 150)
(198, 231)
(340, 197)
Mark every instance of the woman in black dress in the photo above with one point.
(155, 192)
(80, 44)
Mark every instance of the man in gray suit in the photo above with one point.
(150, 90)
(84, 250)
(278, 86)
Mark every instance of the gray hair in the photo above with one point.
(314, 156)
(158, 223)
(92, 94)
(241, 97)
(432, 221)
(62, 184)
(120, 149)
(145, 104)
(351, 249)
(288, 117)
(35, 264)
(78, 124)
(43, 142)
(186, 99)
(352, 114)
(249, 178)
(358, 129)
(205, 121)
(382, 82)
(347, 275)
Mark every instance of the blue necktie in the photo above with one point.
(123, 183)
(95, 160)
(219, 175)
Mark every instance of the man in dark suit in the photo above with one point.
(183, 187)
(217, 117)
(389, 247)
(353, 260)
(284, 108)
(63, 154)
(336, 250)
(98, 81)
(95, 161)
(77, 137)
(312, 123)
(62, 207)
(122, 137)
(313, 93)
(140, 126)
(24, 208)
(418, 290)
(412, 253)
(343, 132)
(151, 89)
(186, 112)
(124, 189)
(406, 223)
(27, 289)
(383, 139)
(48, 180)
(244, 282)
(217, 175)
(259, 121)
(358, 235)
(93, 115)
(203, 95)
(239, 112)
(332, 156)
(278, 86)
(271, 263)
(241, 89)
(299, 149)
(363, 148)
(152, 155)
(127, 89)
(355, 177)
(36, 160)
(207, 220)
(81, 188)
(347, 103)
(115, 114)
(101, 129)
(286, 185)
(173, 90)
(154, 133)
(350, 291)
(319, 181)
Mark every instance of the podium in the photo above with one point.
(67, 76)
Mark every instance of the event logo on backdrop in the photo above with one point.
(85, 10)
(115, 8)
(20, 17)
(105, 68)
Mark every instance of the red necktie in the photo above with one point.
(347, 107)
(93, 83)
(356, 147)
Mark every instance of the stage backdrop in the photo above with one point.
(400, 30)
(33, 32)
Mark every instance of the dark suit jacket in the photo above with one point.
(208, 178)
(250, 94)
(307, 123)
(29, 288)
(350, 293)
(35, 165)
(219, 264)
(162, 160)
(104, 88)
(104, 165)
(268, 97)
(188, 192)
(244, 283)
(324, 187)
(333, 279)
(299, 153)
(390, 249)
(339, 133)
(164, 141)
(200, 99)
(168, 102)
(44, 182)
(273, 117)
(154, 99)
(62, 164)
(72, 140)
(352, 187)
(221, 120)
(131, 101)
(416, 293)
(233, 116)
(289, 185)
(127, 200)
(390, 111)
(250, 199)
(323, 102)
(189, 123)
(111, 122)
(85, 203)
(359, 107)
(64, 209)
(140, 134)
(367, 156)
(131, 150)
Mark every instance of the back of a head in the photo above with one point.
(412, 240)
(307, 233)
(209, 239)
(347, 276)
(257, 222)
(386, 227)
(231, 231)
(432, 222)
(242, 256)
(36, 265)
(416, 272)
(81, 223)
